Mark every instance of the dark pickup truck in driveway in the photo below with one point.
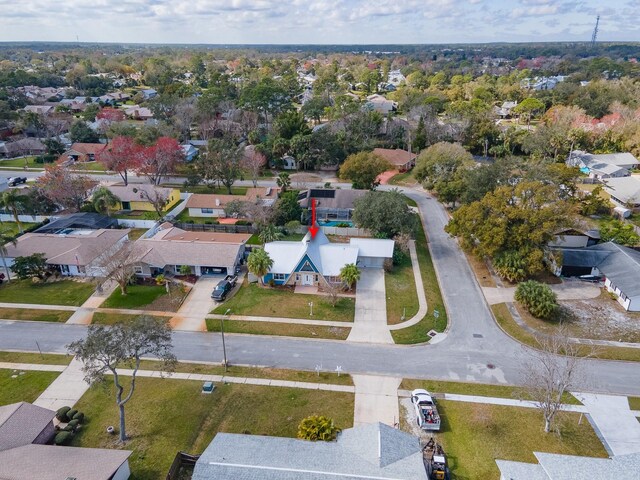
(224, 287)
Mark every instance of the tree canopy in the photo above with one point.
(386, 214)
(363, 169)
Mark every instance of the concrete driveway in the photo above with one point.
(370, 322)
(197, 305)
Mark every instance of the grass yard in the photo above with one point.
(11, 228)
(26, 387)
(255, 372)
(280, 329)
(25, 357)
(137, 296)
(35, 315)
(64, 292)
(166, 416)
(136, 233)
(253, 299)
(418, 332)
(20, 162)
(474, 435)
(208, 190)
(405, 178)
(401, 293)
(87, 166)
(481, 389)
(509, 325)
(185, 218)
(108, 318)
(634, 403)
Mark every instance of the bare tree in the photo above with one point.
(550, 371)
(156, 197)
(253, 162)
(119, 266)
(332, 292)
(106, 349)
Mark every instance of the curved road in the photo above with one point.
(475, 348)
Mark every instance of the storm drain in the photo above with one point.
(477, 335)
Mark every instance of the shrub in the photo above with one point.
(79, 416)
(243, 222)
(511, 265)
(388, 264)
(317, 427)
(537, 298)
(63, 437)
(71, 413)
(61, 414)
(72, 425)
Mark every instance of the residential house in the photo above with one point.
(136, 112)
(39, 109)
(572, 238)
(552, 466)
(136, 197)
(619, 265)
(82, 152)
(148, 93)
(189, 151)
(24, 431)
(206, 253)
(331, 204)
(22, 147)
(610, 165)
(317, 262)
(505, 110)
(78, 221)
(625, 192)
(72, 252)
(380, 104)
(395, 77)
(288, 163)
(212, 205)
(542, 83)
(372, 451)
(402, 160)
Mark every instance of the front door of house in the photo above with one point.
(307, 279)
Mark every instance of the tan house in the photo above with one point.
(206, 253)
(82, 152)
(209, 205)
(402, 160)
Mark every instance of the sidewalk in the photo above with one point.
(376, 400)
(65, 390)
(84, 314)
(422, 299)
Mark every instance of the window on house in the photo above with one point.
(137, 269)
(307, 267)
(279, 276)
(206, 210)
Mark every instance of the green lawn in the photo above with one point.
(96, 166)
(25, 357)
(481, 389)
(136, 233)
(137, 296)
(255, 372)
(475, 435)
(20, 162)
(11, 228)
(634, 403)
(35, 315)
(185, 218)
(400, 286)
(108, 318)
(280, 329)
(26, 387)
(205, 189)
(418, 332)
(253, 299)
(64, 292)
(405, 178)
(166, 416)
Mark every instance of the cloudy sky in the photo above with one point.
(317, 21)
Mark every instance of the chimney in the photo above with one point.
(217, 202)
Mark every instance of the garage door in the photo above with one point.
(213, 270)
(370, 262)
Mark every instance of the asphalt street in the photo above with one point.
(474, 350)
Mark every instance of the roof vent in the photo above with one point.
(217, 202)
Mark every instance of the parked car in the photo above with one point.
(224, 287)
(591, 278)
(13, 181)
(427, 416)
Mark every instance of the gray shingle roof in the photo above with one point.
(21, 423)
(365, 452)
(582, 257)
(625, 189)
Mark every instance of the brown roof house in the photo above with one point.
(401, 159)
(73, 252)
(82, 152)
(206, 253)
(24, 146)
(24, 431)
(209, 205)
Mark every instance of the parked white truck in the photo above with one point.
(427, 415)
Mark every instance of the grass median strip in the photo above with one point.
(400, 286)
(253, 299)
(26, 357)
(166, 416)
(479, 389)
(22, 386)
(255, 372)
(35, 314)
(509, 325)
(275, 328)
(63, 292)
(107, 318)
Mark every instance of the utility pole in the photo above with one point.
(224, 348)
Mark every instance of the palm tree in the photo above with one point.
(270, 233)
(103, 200)
(259, 263)
(5, 238)
(283, 181)
(316, 428)
(13, 201)
(350, 274)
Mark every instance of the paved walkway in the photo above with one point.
(65, 390)
(422, 298)
(370, 322)
(84, 314)
(376, 400)
(568, 290)
(196, 306)
(614, 421)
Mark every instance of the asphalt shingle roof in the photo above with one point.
(21, 423)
